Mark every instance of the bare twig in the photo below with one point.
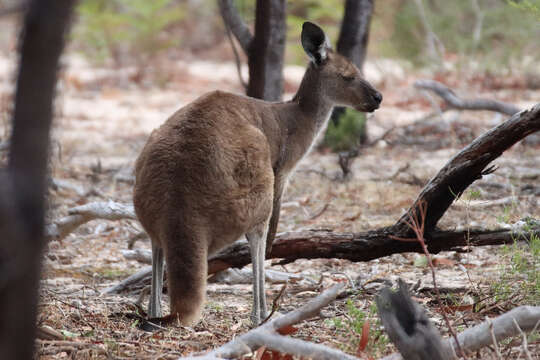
(494, 340)
(457, 102)
(524, 342)
(267, 335)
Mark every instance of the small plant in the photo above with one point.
(521, 273)
(353, 325)
(347, 132)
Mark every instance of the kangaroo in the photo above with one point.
(217, 168)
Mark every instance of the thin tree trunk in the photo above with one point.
(265, 56)
(353, 40)
(354, 33)
(22, 184)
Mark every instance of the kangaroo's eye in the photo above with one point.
(347, 78)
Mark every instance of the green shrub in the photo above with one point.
(347, 132)
(122, 28)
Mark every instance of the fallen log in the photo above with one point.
(366, 246)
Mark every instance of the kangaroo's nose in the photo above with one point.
(377, 96)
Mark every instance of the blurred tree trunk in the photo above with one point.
(22, 183)
(353, 39)
(265, 50)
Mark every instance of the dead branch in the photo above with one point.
(82, 214)
(234, 22)
(363, 246)
(416, 338)
(267, 335)
(470, 165)
(503, 326)
(456, 102)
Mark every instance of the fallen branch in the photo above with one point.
(416, 338)
(456, 102)
(469, 165)
(267, 335)
(82, 214)
(365, 246)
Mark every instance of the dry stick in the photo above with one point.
(479, 336)
(266, 335)
(456, 102)
(524, 342)
(417, 225)
(82, 214)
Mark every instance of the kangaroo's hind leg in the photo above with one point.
(154, 306)
(257, 242)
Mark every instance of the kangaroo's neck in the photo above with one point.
(303, 118)
(313, 107)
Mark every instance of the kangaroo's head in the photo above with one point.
(340, 81)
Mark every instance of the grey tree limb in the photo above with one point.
(233, 21)
(267, 335)
(479, 336)
(454, 101)
(80, 215)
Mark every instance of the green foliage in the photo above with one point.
(521, 273)
(346, 135)
(506, 33)
(110, 28)
(353, 325)
(531, 7)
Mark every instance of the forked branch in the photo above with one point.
(267, 335)
(457, 102)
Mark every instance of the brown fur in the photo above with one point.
(213, 171)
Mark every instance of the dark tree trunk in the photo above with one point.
(353, 39)
(354, 33)
(22, 184)
(265, 56)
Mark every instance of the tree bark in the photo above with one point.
(265, 50)
(266, 53)
(354, 33)
(23, 183)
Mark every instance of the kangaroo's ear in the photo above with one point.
(315, 42)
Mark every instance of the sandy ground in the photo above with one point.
(104, 118)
